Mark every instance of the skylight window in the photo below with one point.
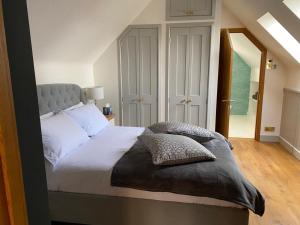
(293, 5)
(281, 35)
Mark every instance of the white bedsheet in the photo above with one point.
(88, 169)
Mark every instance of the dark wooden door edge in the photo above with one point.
(263, 63)
(12, 183)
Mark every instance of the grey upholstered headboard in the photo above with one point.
(56, 97)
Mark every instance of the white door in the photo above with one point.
(198, 75)
(178, 73)
(189, 53)
(139, 73)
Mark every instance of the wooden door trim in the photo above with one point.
(10, 165)
(263, 63)
(224, 87)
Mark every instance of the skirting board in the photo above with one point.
(290, 148)
(109, 210)
(267, 138)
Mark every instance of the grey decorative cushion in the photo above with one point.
(169, 149)
(197, 133)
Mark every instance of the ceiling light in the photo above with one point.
(281, 35)
(294, 6)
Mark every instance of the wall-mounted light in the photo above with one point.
(271, 65)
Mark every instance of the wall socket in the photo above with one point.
(269, 129)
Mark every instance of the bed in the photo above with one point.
(80, 189)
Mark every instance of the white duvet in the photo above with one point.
(88, 169)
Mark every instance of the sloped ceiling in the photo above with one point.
(246, 49)
(78, 30)
(248, 11)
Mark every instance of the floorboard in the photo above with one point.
(276, 173)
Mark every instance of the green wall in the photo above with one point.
(240, 87)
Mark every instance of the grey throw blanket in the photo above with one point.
(220, 179)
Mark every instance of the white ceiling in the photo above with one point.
(249, 11)
(78, 30)
(246, 49)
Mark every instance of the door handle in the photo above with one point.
(228, 101)
(139, 99)
(183, 101)
(189, 100)
(189, 12)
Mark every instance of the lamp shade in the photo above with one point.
(95, 93)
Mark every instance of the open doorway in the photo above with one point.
(241, 83)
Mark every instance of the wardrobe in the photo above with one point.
(138, 64)
(188, 73)
(184, 82)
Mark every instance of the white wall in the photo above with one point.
(293, 80)
(154, 13)
(47, 73)
(275, 81)
(106, 75)
(78, 31)
(273, 97)
(229, 20)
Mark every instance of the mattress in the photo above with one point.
(88, 169)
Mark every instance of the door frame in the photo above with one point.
(262, 73)
(209, 94)
(159, 91)
(12, 193)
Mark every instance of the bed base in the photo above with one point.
(110, 210)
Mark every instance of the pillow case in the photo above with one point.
(197, 133)
(222, 138)
(80, 104)
(168, 149)
(47, 115)
(89, 117)
(61, 135)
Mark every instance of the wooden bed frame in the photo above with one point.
(110, 210)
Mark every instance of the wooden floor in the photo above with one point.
(276, 174)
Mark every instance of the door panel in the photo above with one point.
(146, 115)
(201, 7)
(129, 62)
(194, 114)
(178, 7)
(178, 73)
(148, 76)
(139, 74)
(180, 113)
(224, 83)
(198, 75)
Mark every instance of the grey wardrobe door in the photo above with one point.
(178, 7)
(148, 75)
(201, 7)
(129, 69)
(139, 74)
(178, 73)
(188, 71)
(198, 75)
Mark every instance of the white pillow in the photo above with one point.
(90, 118)
(47, 115)
(61, 135)
(80, 104)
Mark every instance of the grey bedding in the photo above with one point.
(220, 179)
